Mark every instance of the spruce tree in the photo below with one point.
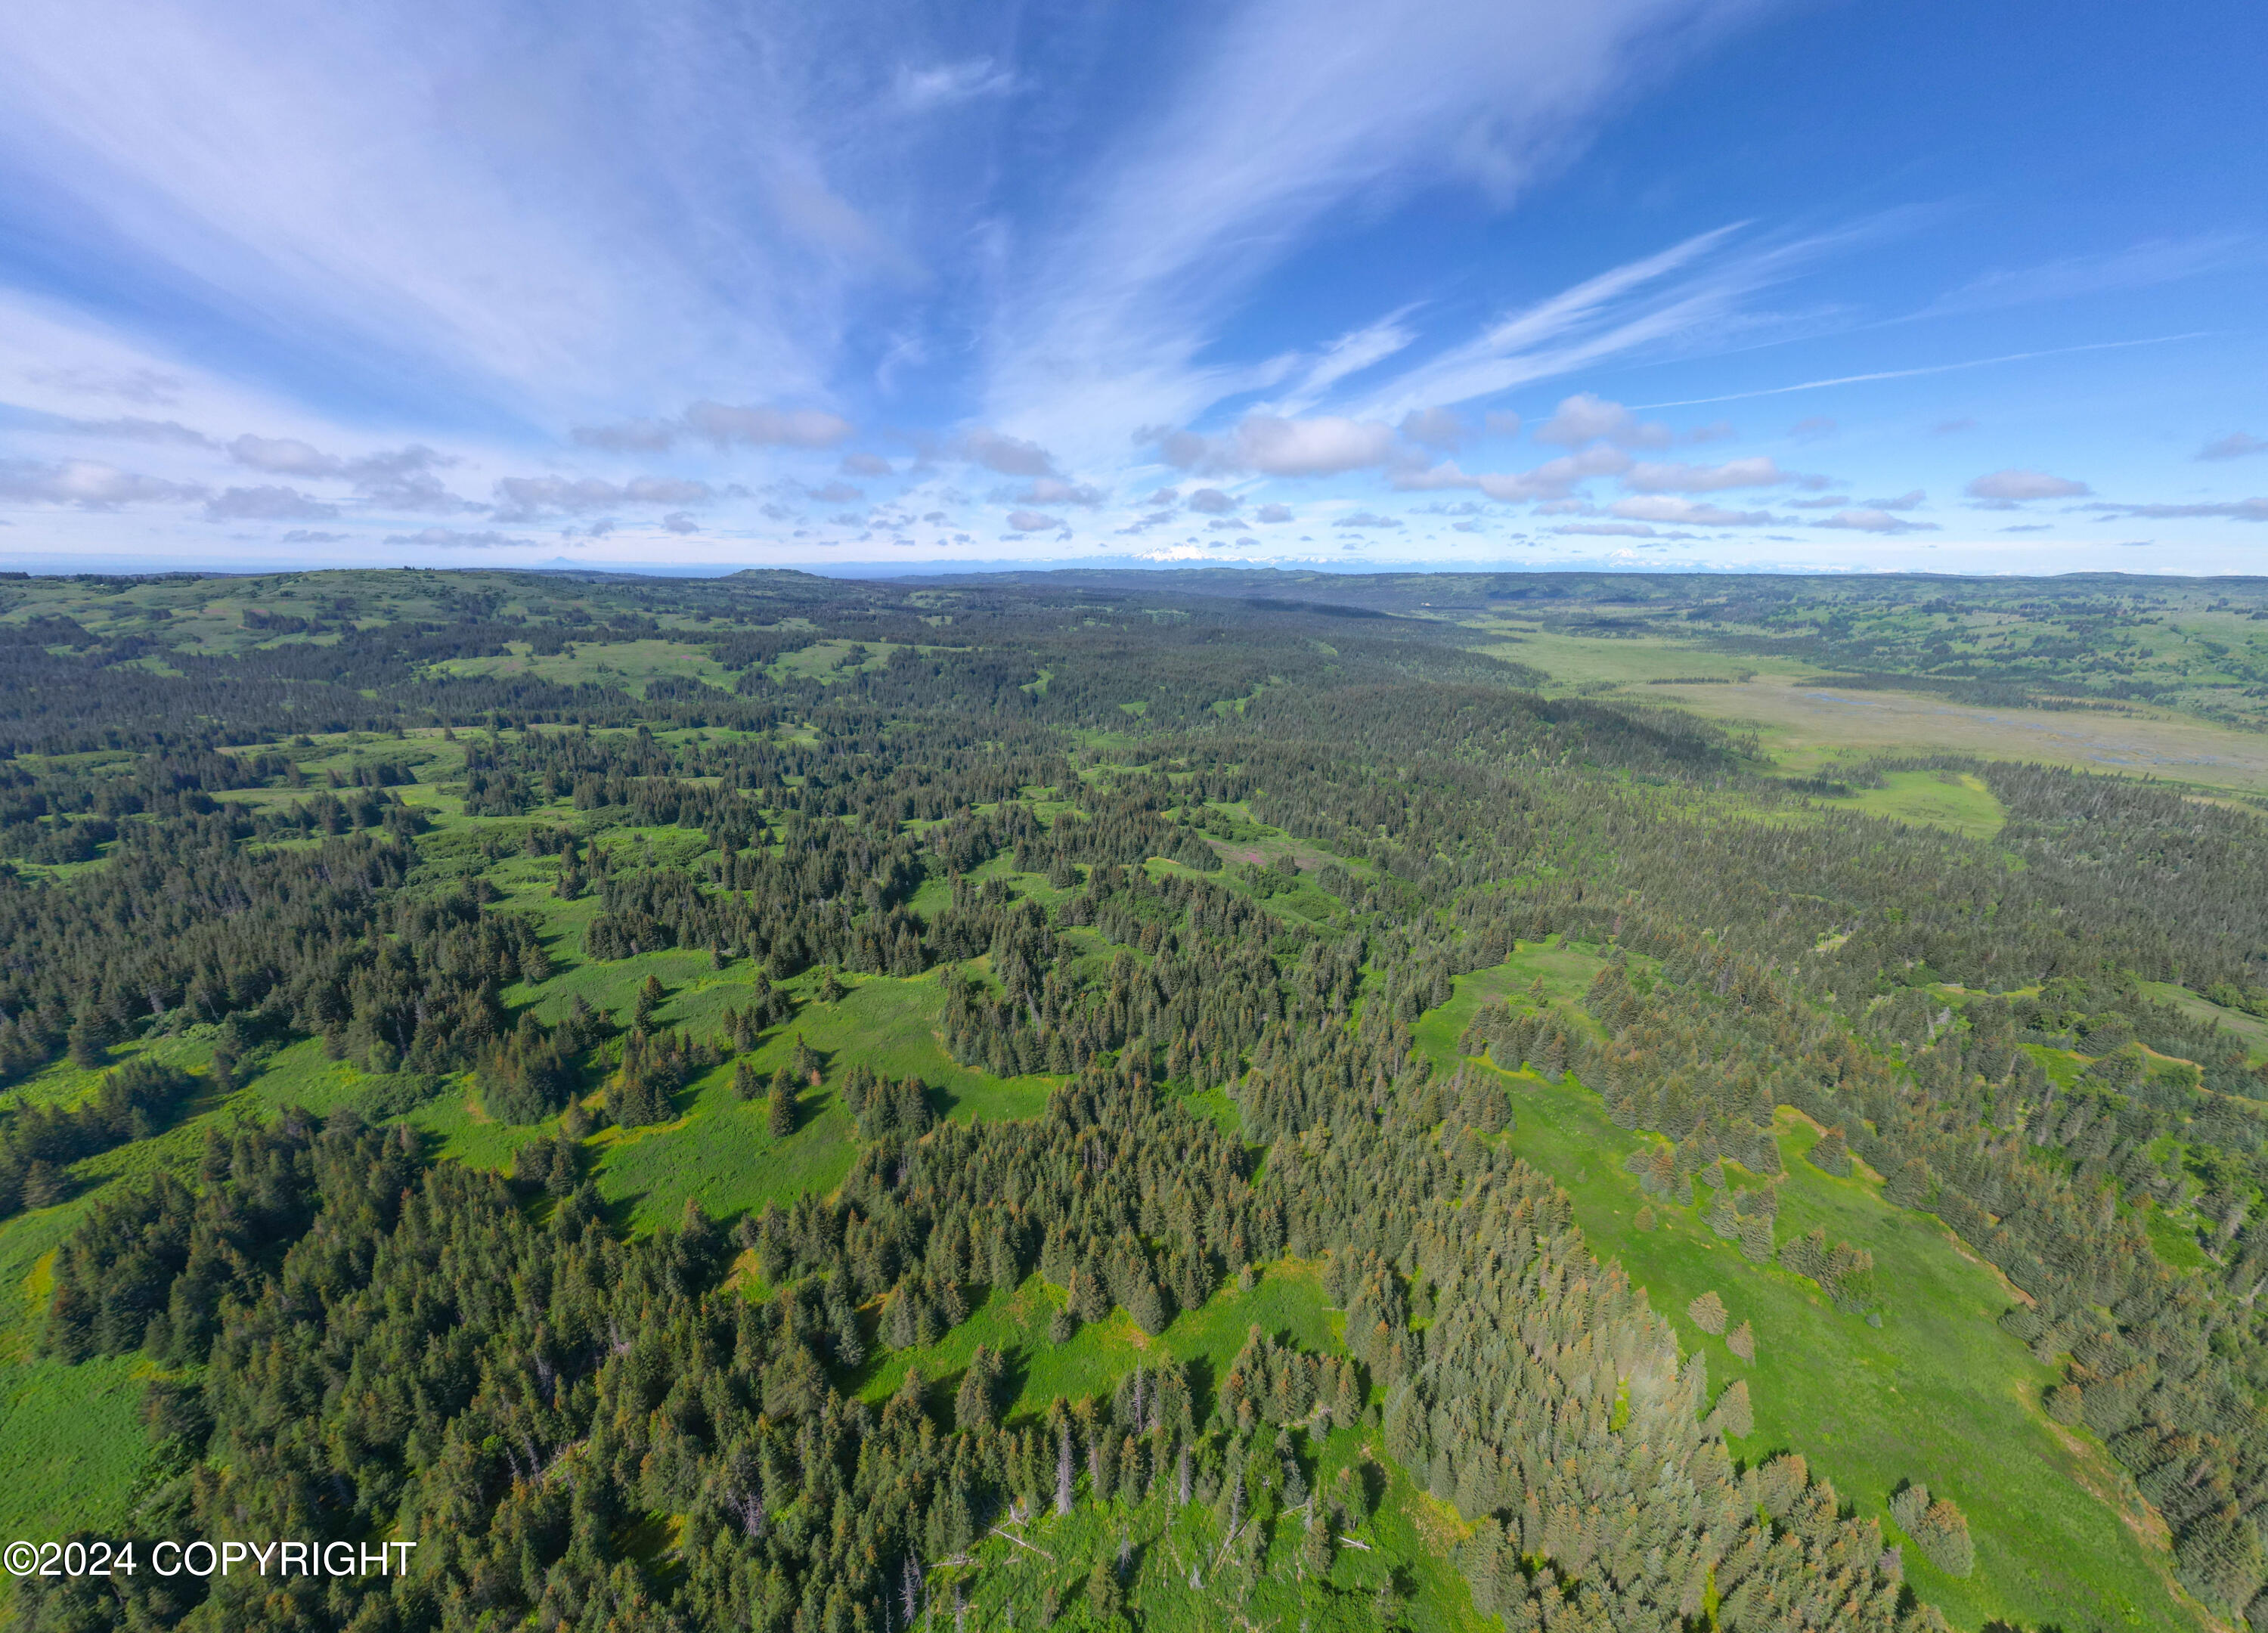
(1945, 1539)
(1105, 1599)
(1807, 1255)
(780, 1112)
(1908, 1186)
(901, 1324)
(972, 1404)
(86, 1046)
(1149, 1309)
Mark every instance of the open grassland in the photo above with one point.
(78, 1453)
(1815, 729)
(1808, 725)
(1936, 1393)
(1577, 660)
(1958, 801)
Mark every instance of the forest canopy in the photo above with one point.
(1105, 1102)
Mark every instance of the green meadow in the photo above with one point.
(1937, 1393)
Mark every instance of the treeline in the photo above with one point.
(38, 1142)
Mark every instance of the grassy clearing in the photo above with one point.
(2249, 1030)
(829, 661)
(1287, 1301)
(1938, 1393)
(75, 1445)
(1808, 725)
(1577, 660)
(63, 1084)
(719, 1153)
(629, 663)
(1566, 972)
(73, 1451)
(2174, 1241)
(1949, 799)
(718, 1150)
(1814, 729)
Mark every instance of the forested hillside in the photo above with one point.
(826, 1108)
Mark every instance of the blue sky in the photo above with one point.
(1662, 282)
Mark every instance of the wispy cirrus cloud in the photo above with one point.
(2254, 510)
(1056, 490)
(132, 429)
(421, 206)
(2136, 266)
(154, 387)
(1944, 427)
(945, 84)
(1296, 107)
(987, 242)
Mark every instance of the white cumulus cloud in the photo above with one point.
(1435, 428)
(1584, 418)
(88, 484)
